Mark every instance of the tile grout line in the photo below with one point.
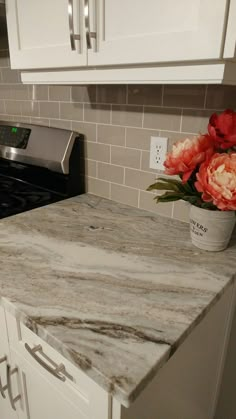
(162, 95)
(126, 95)
(181, 120)
(111, 110)
(143, 116)
(139, 196)
(205, 98)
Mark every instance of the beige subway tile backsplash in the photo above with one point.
(90, 167)
(85, 128)
(30, 108)
(124, 195)
(127, 115)
(6, 91)
(2, 106)
(184, 96)
(10, 76)
(99, 113)
(140, 138)
(145, 94)
(148, 203)
(71, 111)
(85, 94)
(62, 93)
(60, 123)
(162, 118)
(111, 94)
(98, 152)
(49, 109)
(125, 157)
(16, 92)
(40, 121)
(13, 107)
(221, 97)
(111, 134)
(138, 179)
(38, 92)
(98, 187)
(195, 121)
(110, 172)
(117, 122)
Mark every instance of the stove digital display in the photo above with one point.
(16, 137)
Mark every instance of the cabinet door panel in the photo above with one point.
(41, 397)
(39, 33)
(6, 411)
(137, 31)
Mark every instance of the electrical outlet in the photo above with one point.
(158, 150)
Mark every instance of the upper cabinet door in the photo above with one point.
(41, 33)
(155, 31)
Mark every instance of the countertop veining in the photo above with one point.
(114, 289)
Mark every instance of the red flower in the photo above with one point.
(222, 128)
(217, 181)
(187, 154)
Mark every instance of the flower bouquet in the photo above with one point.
(206, 166)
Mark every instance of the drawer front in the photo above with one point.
(91, 397)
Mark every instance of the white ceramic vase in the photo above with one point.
(211, 230)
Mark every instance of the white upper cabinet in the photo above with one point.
(123, 41)
(154, 31)
(41, 33)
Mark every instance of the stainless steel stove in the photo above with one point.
(38, 166)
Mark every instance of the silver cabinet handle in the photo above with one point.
(54, 371)
(3, 388)
(89, 34)
(73, 37)
(12, 399)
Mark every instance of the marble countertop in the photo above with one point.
(114, 289)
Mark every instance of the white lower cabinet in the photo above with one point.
(50, 386)
(42, 384)
(41, 398)
(188, 385)
(6, 410)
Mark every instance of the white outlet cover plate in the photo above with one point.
(158, 150)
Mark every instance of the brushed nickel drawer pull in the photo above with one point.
(3, 388)
(89, 34)
(54, 371)
(73, 37)
(12, 399)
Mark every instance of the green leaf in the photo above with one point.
(208, 205)
(176, 183)
(191, 199)
(161, 186)
(168, 197)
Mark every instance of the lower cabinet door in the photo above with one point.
(6, 410)
(40, 398)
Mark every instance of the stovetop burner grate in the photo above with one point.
(17, 196)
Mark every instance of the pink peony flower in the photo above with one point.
(217, 181)
(187, 154)
(222, 128)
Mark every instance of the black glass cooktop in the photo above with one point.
(18, 196)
